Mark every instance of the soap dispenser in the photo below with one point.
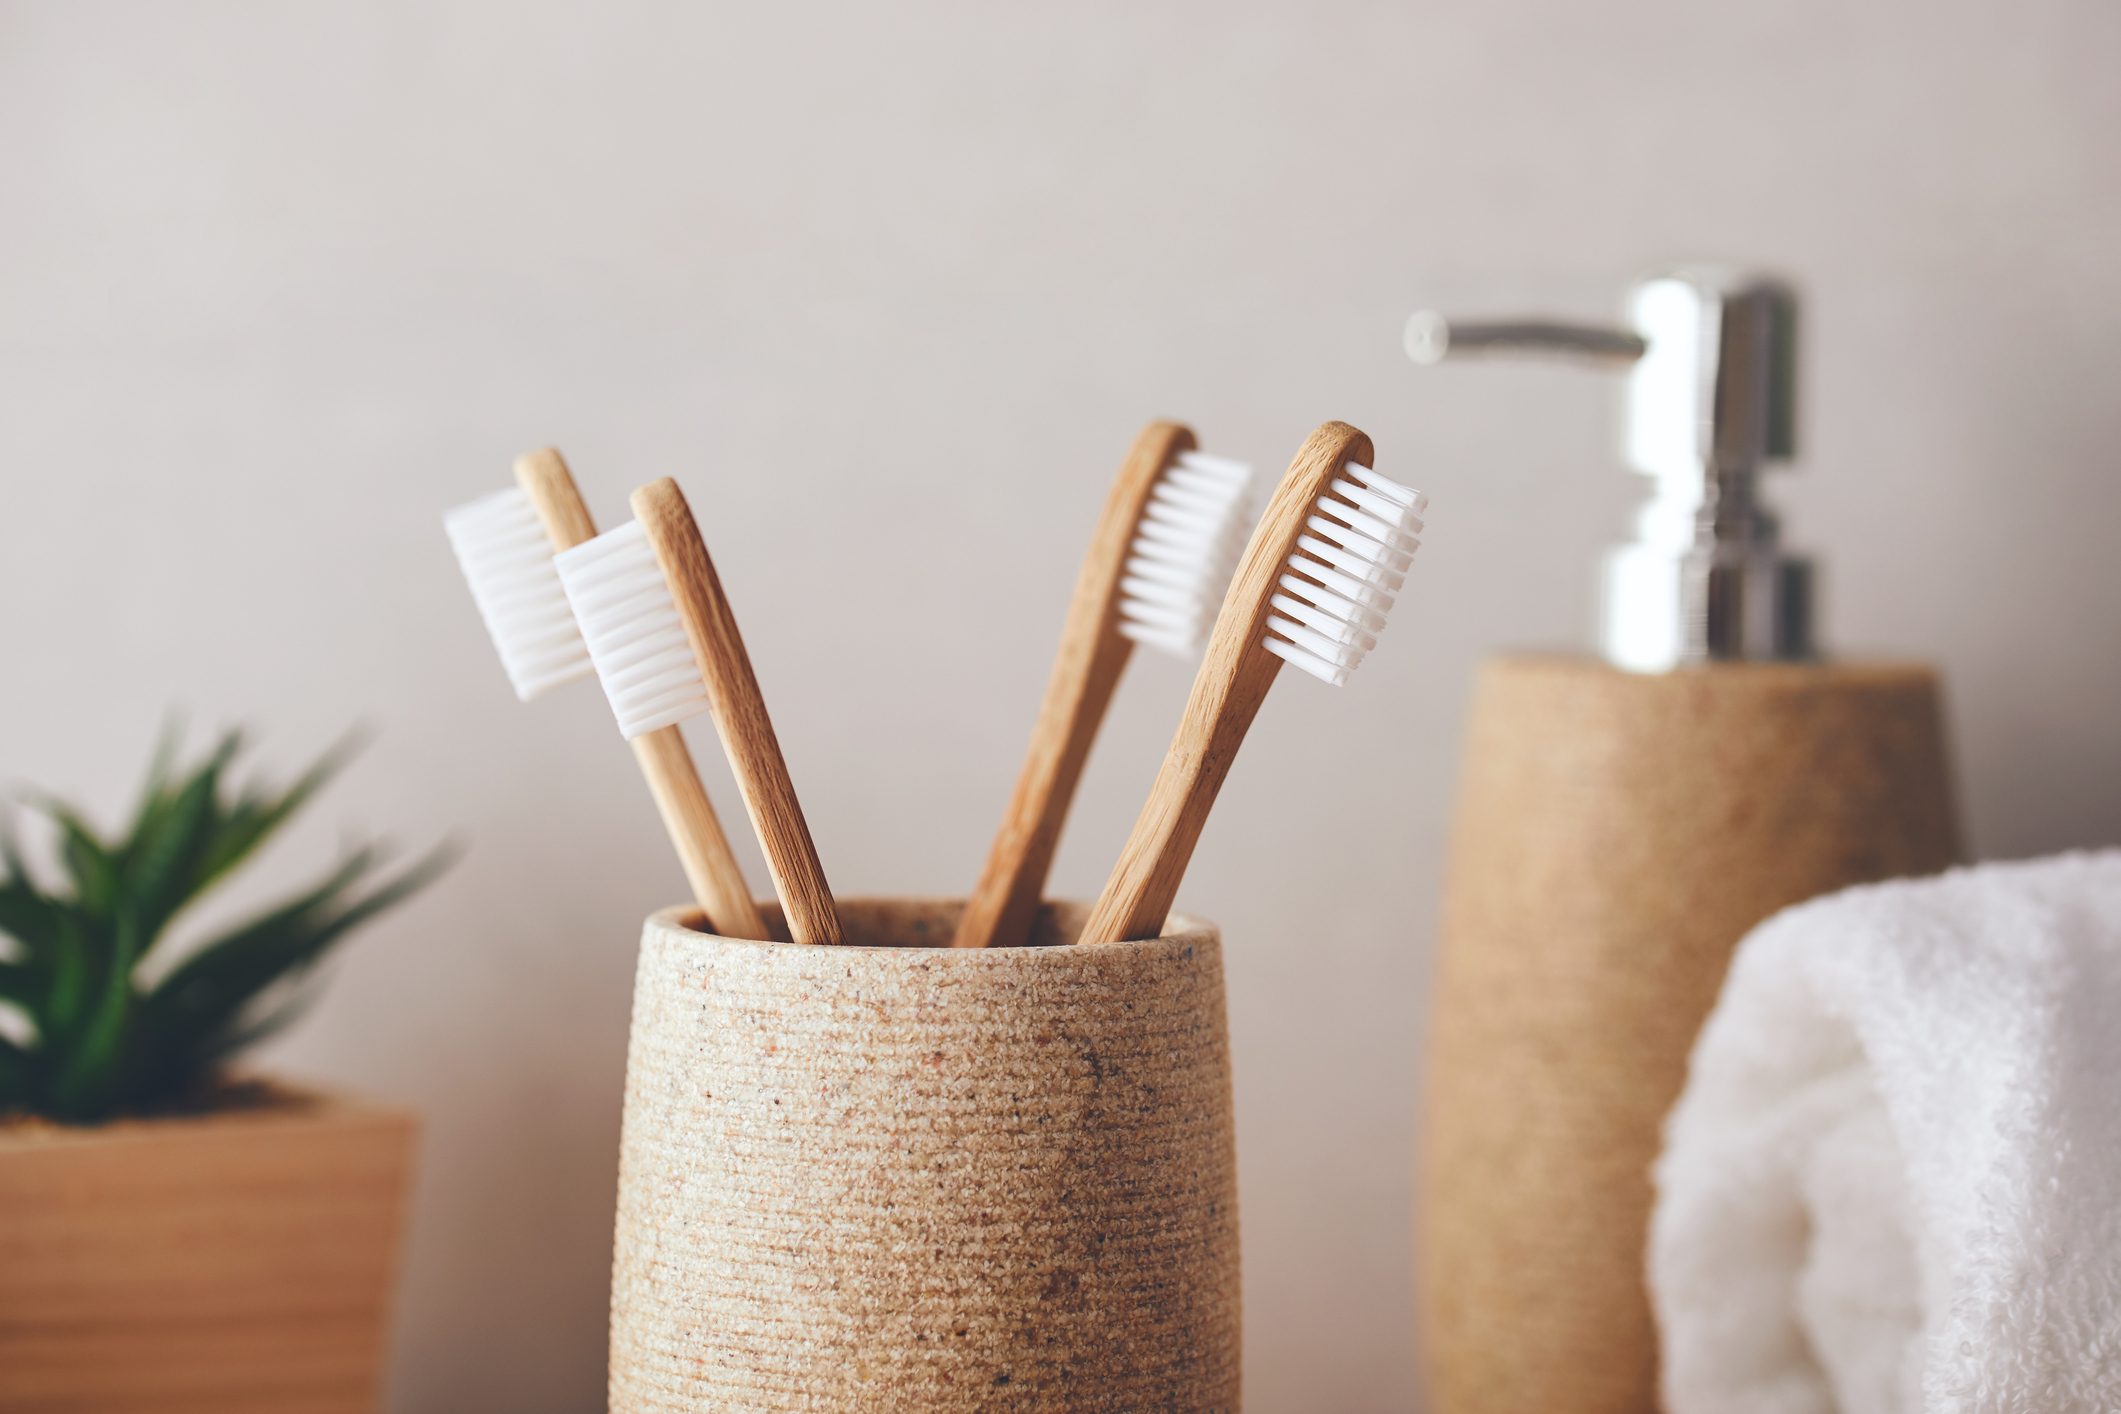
(1622, 821)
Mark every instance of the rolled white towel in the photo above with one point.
(1893, 1182)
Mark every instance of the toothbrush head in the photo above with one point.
(507, 560)
(630, 621)
(1186, 546)
(1340, 580)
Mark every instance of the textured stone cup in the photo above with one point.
(894, 1175)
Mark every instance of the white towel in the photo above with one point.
(1893, 1183)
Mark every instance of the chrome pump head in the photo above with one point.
(1711, 360)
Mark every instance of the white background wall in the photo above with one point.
(890, 290)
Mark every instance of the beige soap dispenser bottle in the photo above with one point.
(1622, 821)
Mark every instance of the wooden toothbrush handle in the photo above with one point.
(688, 817)
(1144, 884)
(1227, 693)
(710, 865)
(544, 477)
(1086, 672)
(739, 711)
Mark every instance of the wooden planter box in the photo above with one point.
(234, 1261)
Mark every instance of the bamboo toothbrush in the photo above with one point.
(1317, 580)
(666, 647)
(1158, 565)
(506, 542)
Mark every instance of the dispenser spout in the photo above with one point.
(1710, 357)
(1432, 337)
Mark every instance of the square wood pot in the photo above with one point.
(236, 1260)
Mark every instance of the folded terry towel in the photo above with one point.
(1893, 1182)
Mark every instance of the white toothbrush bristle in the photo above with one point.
(1185, 549)
(507, 561)
(1348, 566)
(630, 621)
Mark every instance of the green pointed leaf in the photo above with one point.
(155, 790)
(66, 1000)
(415, 877)
(252, 1025)
(208, 986)
(222, 980)
(86, 1081)
(167, 862)
(255, 821)
(89, 862)
(151, 831)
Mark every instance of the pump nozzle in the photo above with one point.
(1711, 362)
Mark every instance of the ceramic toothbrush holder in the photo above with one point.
(893, 1175)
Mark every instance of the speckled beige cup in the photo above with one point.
(897, 1176)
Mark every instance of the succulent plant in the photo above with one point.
(98, 1031)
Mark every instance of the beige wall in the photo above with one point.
(890, 293)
